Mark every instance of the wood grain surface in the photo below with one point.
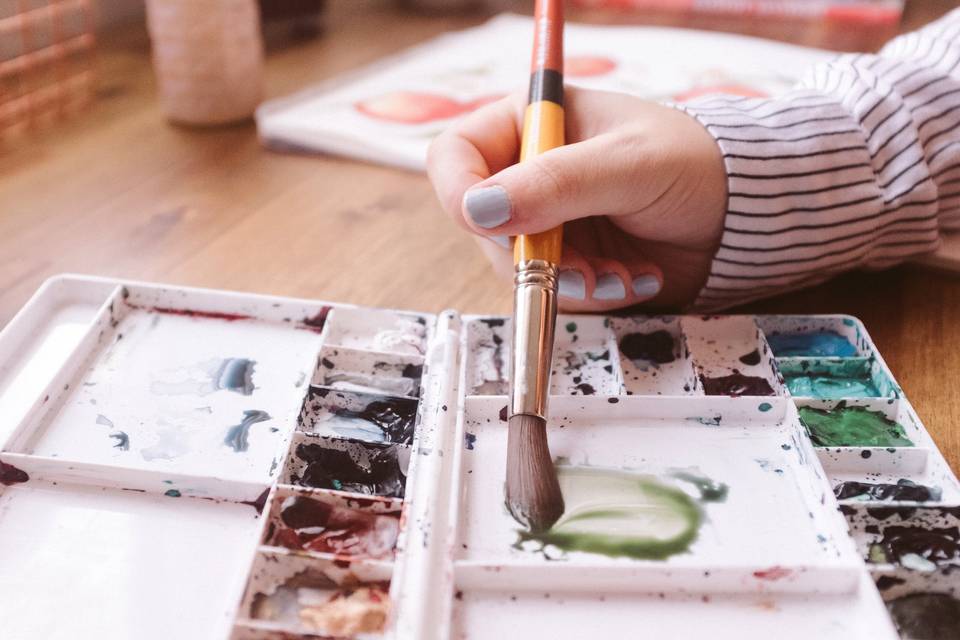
(117, 191)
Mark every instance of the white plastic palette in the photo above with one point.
(181, 463)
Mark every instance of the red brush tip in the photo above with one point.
(548, 36)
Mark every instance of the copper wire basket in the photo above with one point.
(46, 60)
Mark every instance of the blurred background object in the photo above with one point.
(46, 60)
(208, 58)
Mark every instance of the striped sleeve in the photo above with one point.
(858, 167)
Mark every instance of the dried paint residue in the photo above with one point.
(384, 420)
(238, 436)
(227, 374)
(656, 347)
(904, 490)
(9, 475)
(358, 467)
(313, 525)
(845, 426)
(916, 547)
(926, 616)
(316, 602)
(618, 513)
(736, 384)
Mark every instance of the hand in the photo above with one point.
(640, 189)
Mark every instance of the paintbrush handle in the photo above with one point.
(543, 118)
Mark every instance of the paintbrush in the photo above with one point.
(532, 492)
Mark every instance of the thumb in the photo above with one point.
(569, 182)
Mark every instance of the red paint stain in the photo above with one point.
(409, 107)
(587, 66)
(775, 572)
(195, 313)
(316, 322)
(9, 474)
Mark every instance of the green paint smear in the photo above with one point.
(619, 513)
(831, 387)
(852, 427)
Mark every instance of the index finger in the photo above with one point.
(482, 144)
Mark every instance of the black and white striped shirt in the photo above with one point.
(859, 166)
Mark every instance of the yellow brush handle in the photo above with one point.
(542, 131)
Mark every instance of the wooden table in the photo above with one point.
(116, 191)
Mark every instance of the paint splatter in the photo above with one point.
(926, 616)
(238, 435)
(469, 439)
(104, 420)
(10, 475)
(903, 490)
(618, 513)
(312, 525)
(811, 345)
(357, 467)
(657, 347)
(122, 440)
(736, 384)
(751, 359)
(172, 493)
(845, 426)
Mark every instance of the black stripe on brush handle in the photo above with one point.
(546, 84)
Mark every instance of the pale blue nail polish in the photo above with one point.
(503, 241)
(570, 284)
(488, 207)
(646, 286)
(609, 287)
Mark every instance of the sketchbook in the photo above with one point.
(389, 112)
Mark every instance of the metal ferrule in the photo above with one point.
(534, 321)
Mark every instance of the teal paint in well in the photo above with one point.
(816, 344)
(830, 387)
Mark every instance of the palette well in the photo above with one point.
(278, 468)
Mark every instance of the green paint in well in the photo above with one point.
(845, 426)
(619, 513)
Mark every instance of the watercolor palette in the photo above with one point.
(255, 468)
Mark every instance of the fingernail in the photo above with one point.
(488, 207)
(646, 286)
(609, 287)
(503, 241)
(570, 284)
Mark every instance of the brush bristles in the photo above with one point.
(533, 492)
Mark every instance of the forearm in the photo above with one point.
(858, 167)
